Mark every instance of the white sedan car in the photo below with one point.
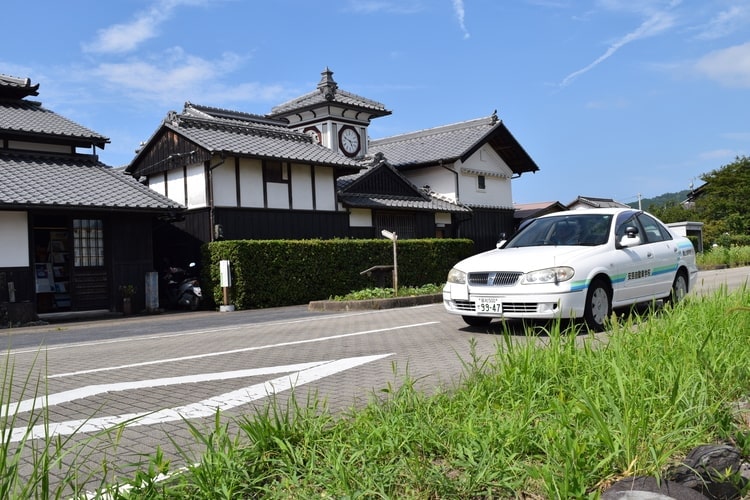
(573, 264)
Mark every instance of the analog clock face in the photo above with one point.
(349, 139)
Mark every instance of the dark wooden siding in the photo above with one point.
(90, 289)
(169, 151)
(131, 257)
(485, 227)
(23, 282)
(261, 224)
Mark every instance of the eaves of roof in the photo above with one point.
(362, 200)
(77, 181)
(29, 119)
(449, 143)
(12, 87)
(316, 98)
(257, 140)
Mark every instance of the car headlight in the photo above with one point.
(456, 276)
(549, 275)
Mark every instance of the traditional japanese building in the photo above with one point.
(72, 230)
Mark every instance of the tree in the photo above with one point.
(724, 205)
(671, 211)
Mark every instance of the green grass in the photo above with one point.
(724, 256)
(386, 293)
(556, 415)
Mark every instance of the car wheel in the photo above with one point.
(679, 288)
(598, 305)
(476, 320)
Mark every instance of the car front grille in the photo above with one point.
(508, 307)
(464, 305)
(519, 307)
(495, 278)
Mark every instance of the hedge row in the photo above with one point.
(270, 273)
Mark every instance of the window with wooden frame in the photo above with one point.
(275, 171)
(88, 243)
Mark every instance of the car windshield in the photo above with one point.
(574, 229)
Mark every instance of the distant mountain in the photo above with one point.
(661, 200)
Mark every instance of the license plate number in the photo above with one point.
(488, 305)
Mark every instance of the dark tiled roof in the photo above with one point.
(598, 202)
(29, 118)
(12, 87)
(73, 182)
(450, 143)
(326, 93)
(258, 139)
(399, 202)
(409, 197)
(526, 210)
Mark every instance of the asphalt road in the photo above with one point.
(150, 373)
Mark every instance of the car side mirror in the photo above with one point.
(630, 238)
(501, 242)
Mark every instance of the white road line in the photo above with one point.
(235, 351)
(199, 332)
(201, 409)
(94, 389)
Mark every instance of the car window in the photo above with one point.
(626, 220)
(578, 229)
(653, 230)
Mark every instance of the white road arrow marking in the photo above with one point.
(306, 373)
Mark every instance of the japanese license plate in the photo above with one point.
(488, 305)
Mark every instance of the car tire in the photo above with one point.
(598, 305)
(679, 288)
(477, 320)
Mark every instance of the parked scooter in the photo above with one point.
(181, 288)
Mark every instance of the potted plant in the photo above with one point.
(127, 292)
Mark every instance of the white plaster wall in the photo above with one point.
(196, 186)
(14, 239)
(157, 184)
(442, 218)
(302, 193)
(251, 183)
(35, 146)
(325, 192)
(439, 179)
(225, 184)
(360, 217)
(497, 192)
(278, 195)
(176, 185)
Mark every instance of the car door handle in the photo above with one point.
(649, 255)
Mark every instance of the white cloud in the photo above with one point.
(656, 22)
(717, 154)
(458, 6)
(176, 75)
(390, 7)
(725, 22)
(729, 67)
(126, 37)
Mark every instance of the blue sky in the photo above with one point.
(611, 98)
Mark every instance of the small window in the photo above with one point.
(481, 183)
(275, 171)
(88, 243)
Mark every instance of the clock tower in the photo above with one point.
(332, 117)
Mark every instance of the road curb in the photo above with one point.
(370, 304)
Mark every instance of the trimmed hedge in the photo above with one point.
(271, 273)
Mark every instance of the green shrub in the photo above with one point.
(271, 273)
